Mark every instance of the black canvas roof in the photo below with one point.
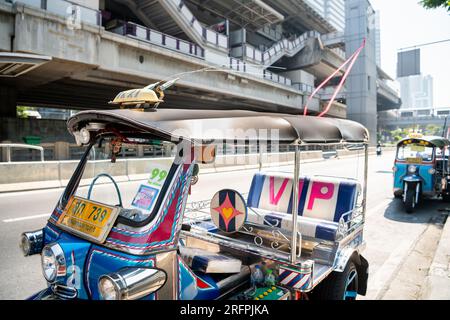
(207, 125)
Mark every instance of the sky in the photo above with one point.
(405, 23)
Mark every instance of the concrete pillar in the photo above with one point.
(4, 153)
(8, 102)
(361, 83)
(140, 151)
(167, 150)
(61, 150)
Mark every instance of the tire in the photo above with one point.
(398, 194)
(409, 200)
(446, 197)
(339, 285)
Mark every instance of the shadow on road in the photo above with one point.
(424, 212)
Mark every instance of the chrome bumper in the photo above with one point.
(46, 294)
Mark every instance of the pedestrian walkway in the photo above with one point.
(438, 284)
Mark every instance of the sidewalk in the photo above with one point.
(438, 280)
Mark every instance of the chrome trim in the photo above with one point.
(168, 263)
(64, 292)
(60, 260)
(294, 253)
(135, 283)
(35, 241)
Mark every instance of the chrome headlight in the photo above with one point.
(31, 242)
(412, 169)
(53, 262)
(82, 137)
(108, 289)
(431, 171)
(131, 283)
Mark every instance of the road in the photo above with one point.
(399, 248)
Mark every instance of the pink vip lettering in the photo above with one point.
(320, 190)
(274, 199)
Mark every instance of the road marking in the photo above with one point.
(27, 218)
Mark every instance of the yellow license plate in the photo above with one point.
(414, 160)
(88, 218)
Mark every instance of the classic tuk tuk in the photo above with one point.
(282, 240)
(421, 169)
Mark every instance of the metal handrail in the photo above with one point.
(161, 39)
(8, 147)
(57, 7)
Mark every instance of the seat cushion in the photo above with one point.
(209, 262)
(308, 227)
(273, 192)
(329, 198)
(320, 197)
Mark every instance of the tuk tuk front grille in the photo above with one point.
(64, 292)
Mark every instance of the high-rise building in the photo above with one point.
(332, 10)
(416, 91)
(335, 13)
(377, 29)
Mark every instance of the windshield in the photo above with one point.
(129, 175)
(415, 150)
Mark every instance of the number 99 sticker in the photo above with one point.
(158, 176)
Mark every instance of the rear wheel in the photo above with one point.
(339, 285)
(446, 196)
(410, 201)
(398, 194)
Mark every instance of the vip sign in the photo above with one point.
(319, 203)
(321, 200)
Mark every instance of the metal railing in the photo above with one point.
(238, 65)
(303, 87)
(286, 46)
(161, 39)
(67, 9)
(327, 92)
(277, 78)
(9, 146)
(209, 36)
(241, 66)
(280, 48)
(271, 33)
(333, 38)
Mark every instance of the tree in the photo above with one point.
(432, 4)
(21, 111)
(433, 130)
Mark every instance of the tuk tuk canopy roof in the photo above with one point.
(238, 125)
(434, 140)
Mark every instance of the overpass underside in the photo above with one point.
(69, 85)
(89, 66)
(315, 59)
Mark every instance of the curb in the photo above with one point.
(437, 285)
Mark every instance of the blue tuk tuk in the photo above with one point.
(144, 240)
(421, 169)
